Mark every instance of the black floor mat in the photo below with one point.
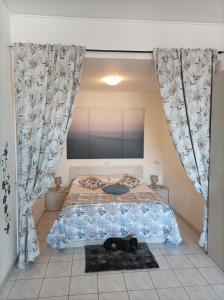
(99, 259)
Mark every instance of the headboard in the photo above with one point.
(104, 170)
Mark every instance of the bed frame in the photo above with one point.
(105, 170)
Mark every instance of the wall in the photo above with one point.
(7, 241)
(131, 35)
(152, 131)
(116, 34)
(38, 209)
(216, 191)
(183, 197)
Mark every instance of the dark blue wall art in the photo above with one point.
(6, 188)
(106, 133)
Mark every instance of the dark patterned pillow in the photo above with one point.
(91, 183)
(129, 181)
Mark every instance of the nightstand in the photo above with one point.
(162, 191)
(54, 199)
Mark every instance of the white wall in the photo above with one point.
(116, 34)
(8, 246)
(183, 197)
(152, 131)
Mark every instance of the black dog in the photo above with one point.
(127, 244)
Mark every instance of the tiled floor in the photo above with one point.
(185, 273)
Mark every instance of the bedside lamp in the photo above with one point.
(57, 181)
(154, 180)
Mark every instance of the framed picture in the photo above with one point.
(106, 133)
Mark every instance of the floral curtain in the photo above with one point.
(185, 79)
(46, 82)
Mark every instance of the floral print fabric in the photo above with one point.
(185, 78)
(129, 181)
(154, 221)
(46, 82)
(91, 183)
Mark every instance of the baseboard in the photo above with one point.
(2, 284)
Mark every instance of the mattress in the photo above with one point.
(92, 215)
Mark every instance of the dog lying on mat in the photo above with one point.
(126, 244)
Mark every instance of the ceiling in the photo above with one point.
(155, 10)
(138, 75)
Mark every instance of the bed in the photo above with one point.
(91, 216)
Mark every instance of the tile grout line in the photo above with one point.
(44, 275)
(125, 285)
(10, 289)
(153, 284)
(69, 288)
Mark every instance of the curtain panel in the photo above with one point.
(47, 80)
(185, 79)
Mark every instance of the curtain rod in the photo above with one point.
(127, 51)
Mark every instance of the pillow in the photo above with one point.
(115, 189)
(129, 181)
(115, 178)
(92, 183)
(80, 178)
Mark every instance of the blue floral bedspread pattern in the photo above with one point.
(99, 221)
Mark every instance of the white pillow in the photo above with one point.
(79, 178)
(117, 177)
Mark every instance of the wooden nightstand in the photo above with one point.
(54, 199)
(162, 191)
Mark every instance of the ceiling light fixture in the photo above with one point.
(112, 80)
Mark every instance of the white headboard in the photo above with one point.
(105, 170)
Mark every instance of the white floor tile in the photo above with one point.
(14, 274)
(172, 294)
(114, 296)
(84, 297)
(42, 259)
(201, 293)
(154, 249)
(6, 289)
(33, 271)
(78, 268)
(79, 253)
(23, 289)
(201, 260)
(55, 298)
(191, 248)
(179, 261)
(62, 255)
(138, 281)
(190, 277)
(164, 279)
(168, 250)
(59, 269)
(83, 285)
(143, 295)
(219, 288)
(214, 275)
(162, 262)
(111, 283)
(55, 287)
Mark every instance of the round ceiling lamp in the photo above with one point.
(112, 80)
